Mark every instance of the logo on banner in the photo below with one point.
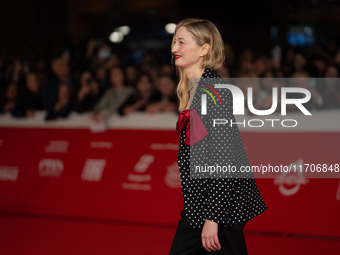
(101, 144)
(239, 105)
(209, 93)
(93, 170)
(50, 167)
(238, 102)
(138, 180)
(172, 177)
(57, 146)
(9, 173)
(290, 184)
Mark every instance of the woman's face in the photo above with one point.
(144, 85)
(32, 82)
(116, 76)
(166, 86)
(187, 52)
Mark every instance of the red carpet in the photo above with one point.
(49, 236)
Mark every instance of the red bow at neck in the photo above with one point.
(194, 121)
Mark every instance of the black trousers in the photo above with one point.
(187, 240)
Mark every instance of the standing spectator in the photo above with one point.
(167, 69)
(302, 80)
(247, 80)
(150, 64)
(60, 69)
(131, 74)
(63, 106)
(9, 99)
(19, 71)
(331, 71)
(114, 96)
(260, 66)
(30, 100)
(299, 63)
(146, 94)
(88, 95)
(329, 88)
(168, 101)
(101, 77)
(265, 96)
(288, 61)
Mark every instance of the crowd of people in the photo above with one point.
(103, 82)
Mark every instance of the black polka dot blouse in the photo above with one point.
(226, 201)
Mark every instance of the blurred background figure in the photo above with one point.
(63, 105)
(61, 74)
(131, 74)
(30, 100)
(101, 77)
(330, 88)
(302, 81)
(146, 94)
(9, 98)
(265, 95)
(168, 102)
(89, 93)
(114, 96)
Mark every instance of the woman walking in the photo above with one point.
(215, 209)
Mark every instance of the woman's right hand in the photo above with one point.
(210, 236)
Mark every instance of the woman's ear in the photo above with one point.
(205, 49)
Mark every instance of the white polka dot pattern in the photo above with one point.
(227, 201)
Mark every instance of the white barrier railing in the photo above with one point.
(320, 121)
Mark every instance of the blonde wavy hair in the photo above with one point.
(204, 32)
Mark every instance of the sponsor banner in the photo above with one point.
(132, 175)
